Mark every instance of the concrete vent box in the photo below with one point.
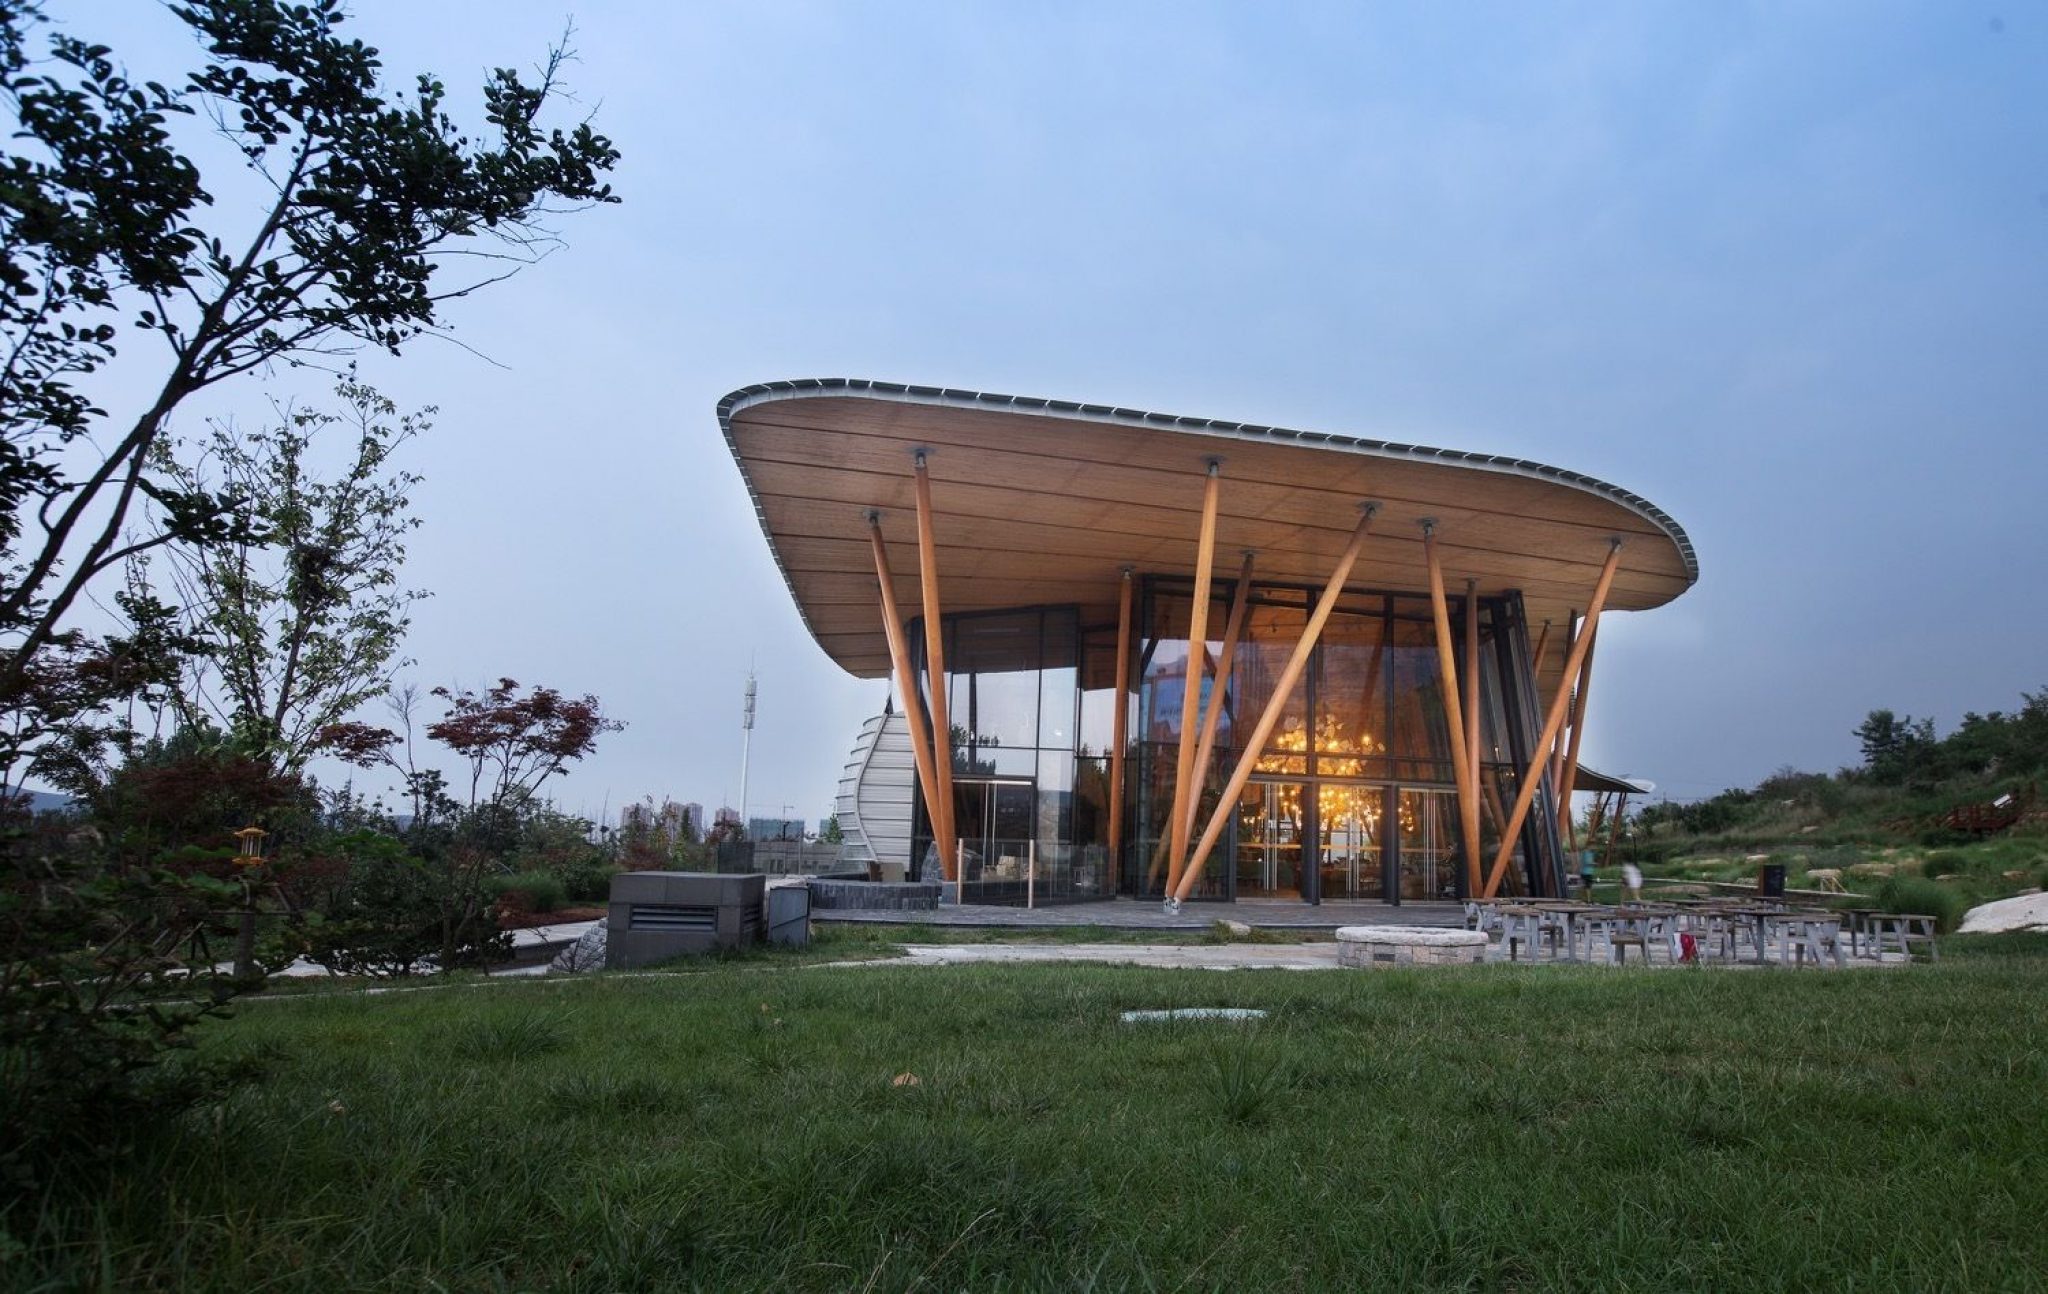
(656, 916)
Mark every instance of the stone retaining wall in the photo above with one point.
(874, 896)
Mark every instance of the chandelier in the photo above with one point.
(1338, 754)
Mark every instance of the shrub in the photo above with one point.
(1918, 895)
(104, 970)
(1938, 837)
(540, 891)
(1943, 862)
(395, 910)
(588, 881)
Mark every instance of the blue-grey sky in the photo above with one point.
(1782, 268)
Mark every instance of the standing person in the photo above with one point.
(1586, 875)
(1632, 881)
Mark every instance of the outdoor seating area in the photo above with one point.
(1700, 931)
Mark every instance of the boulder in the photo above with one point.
(586, 954)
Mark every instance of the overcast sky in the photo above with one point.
(1781, 268)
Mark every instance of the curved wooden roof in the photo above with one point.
(1044, 501)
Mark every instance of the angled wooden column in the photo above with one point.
(1571, 758)
(1536, 656)
(1191, 694)
(1119, 728)
(1276, 705)
(1525, 795)
(906, 681)
(1240, 602)
(1614, 826)
(935, 668)
(1454, 717)
(1472, 810)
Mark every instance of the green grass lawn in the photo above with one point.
(740, 1127)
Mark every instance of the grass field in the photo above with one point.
(742, 1127)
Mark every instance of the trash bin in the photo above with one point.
(1770, 880)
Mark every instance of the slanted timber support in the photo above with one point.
(935, 668)
(1454, 718)
(1571, 758)
(1240, 603)
(1472, 805)
(1526, 794)
(1191, 693)
(1120, 727)
(1276, 705)
(906, 677)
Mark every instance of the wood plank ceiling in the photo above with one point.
(1037, 502)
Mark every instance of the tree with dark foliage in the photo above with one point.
(374, 190)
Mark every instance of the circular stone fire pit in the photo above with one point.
(1372, 947)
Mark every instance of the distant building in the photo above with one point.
(728, 814)
(681, 821)
(636, 817)
(775, 829)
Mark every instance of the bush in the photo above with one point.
(394, 910)
(1944, 862)
(534, 891)
(589, 881)
(104, 970)
(1920, 896)
(1938, 837)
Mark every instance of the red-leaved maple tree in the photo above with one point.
(514, 743)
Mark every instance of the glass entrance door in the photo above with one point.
(1428, 825)
(1352, 856)
(993, 820)
(1272, 840)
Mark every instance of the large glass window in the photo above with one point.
(1361, 742)
(1013, 694)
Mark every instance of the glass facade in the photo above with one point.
(1354, 794)
(1352, 797)
(1030, 794)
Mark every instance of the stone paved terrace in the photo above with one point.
(1146, 914)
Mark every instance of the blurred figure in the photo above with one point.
(1631, 882)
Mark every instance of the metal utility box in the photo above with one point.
(659, 915)
(789, 915)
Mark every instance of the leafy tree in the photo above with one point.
(514, 743)
(304, 603)
(372, 191)
(1895, 747)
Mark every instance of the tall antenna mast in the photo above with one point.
(746, 745)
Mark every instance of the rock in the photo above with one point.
(1872, 869)
(1235, 929)
(586, 954)
(2021, 912)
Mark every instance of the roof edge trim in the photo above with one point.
(902, 393)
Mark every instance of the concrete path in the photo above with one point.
(1170, 956)
(1147, 914)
